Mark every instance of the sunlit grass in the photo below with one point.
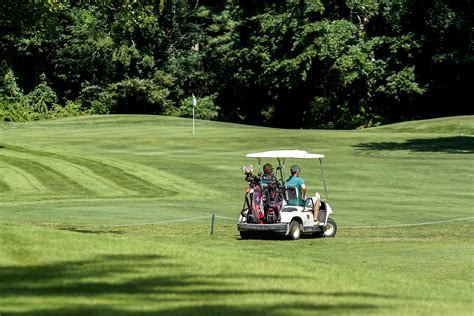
(70, 187)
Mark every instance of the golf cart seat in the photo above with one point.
(293, 197)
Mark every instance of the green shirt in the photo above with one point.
(265, 178)
(295, 182)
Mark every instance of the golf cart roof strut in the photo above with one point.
(324, 179)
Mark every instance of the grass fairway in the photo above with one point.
(87, 208)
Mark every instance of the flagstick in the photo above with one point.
(194, 104)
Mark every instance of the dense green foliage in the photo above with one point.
(62, 182)
(288, 63)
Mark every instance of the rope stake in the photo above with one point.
(213, 219)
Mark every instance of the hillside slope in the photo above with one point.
(460, 125)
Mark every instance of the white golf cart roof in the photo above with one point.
(298, 154)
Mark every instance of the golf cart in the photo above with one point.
(269, 205)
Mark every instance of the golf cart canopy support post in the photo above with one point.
(281, 155)
(324, 179)
(281, 165)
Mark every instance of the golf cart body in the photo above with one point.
(267, 208)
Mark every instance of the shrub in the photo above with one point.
(40, 103)
(130, 96)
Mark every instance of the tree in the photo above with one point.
(286, 63)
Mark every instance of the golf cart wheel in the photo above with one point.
(331, 228)
(295, 230)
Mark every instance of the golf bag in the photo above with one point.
(272, 200)
(252, 208)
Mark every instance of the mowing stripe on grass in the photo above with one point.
(180, 186)
(18, 180)
(3, 186)
(97, 176)
(50, 178)
(83, 176)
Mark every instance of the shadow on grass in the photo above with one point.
(451, 145)
(269, 236)
(90, 231)
(209, 309)
(263, 236)
(119, 278)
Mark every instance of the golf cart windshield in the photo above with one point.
(282, 155)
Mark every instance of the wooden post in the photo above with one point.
(213, 219)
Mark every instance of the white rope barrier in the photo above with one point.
(166, 222)
(225, 217)
(154, 223)
(235, 219)
(408, 225)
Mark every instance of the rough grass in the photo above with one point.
(65, 185)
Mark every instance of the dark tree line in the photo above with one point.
(300, 63)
